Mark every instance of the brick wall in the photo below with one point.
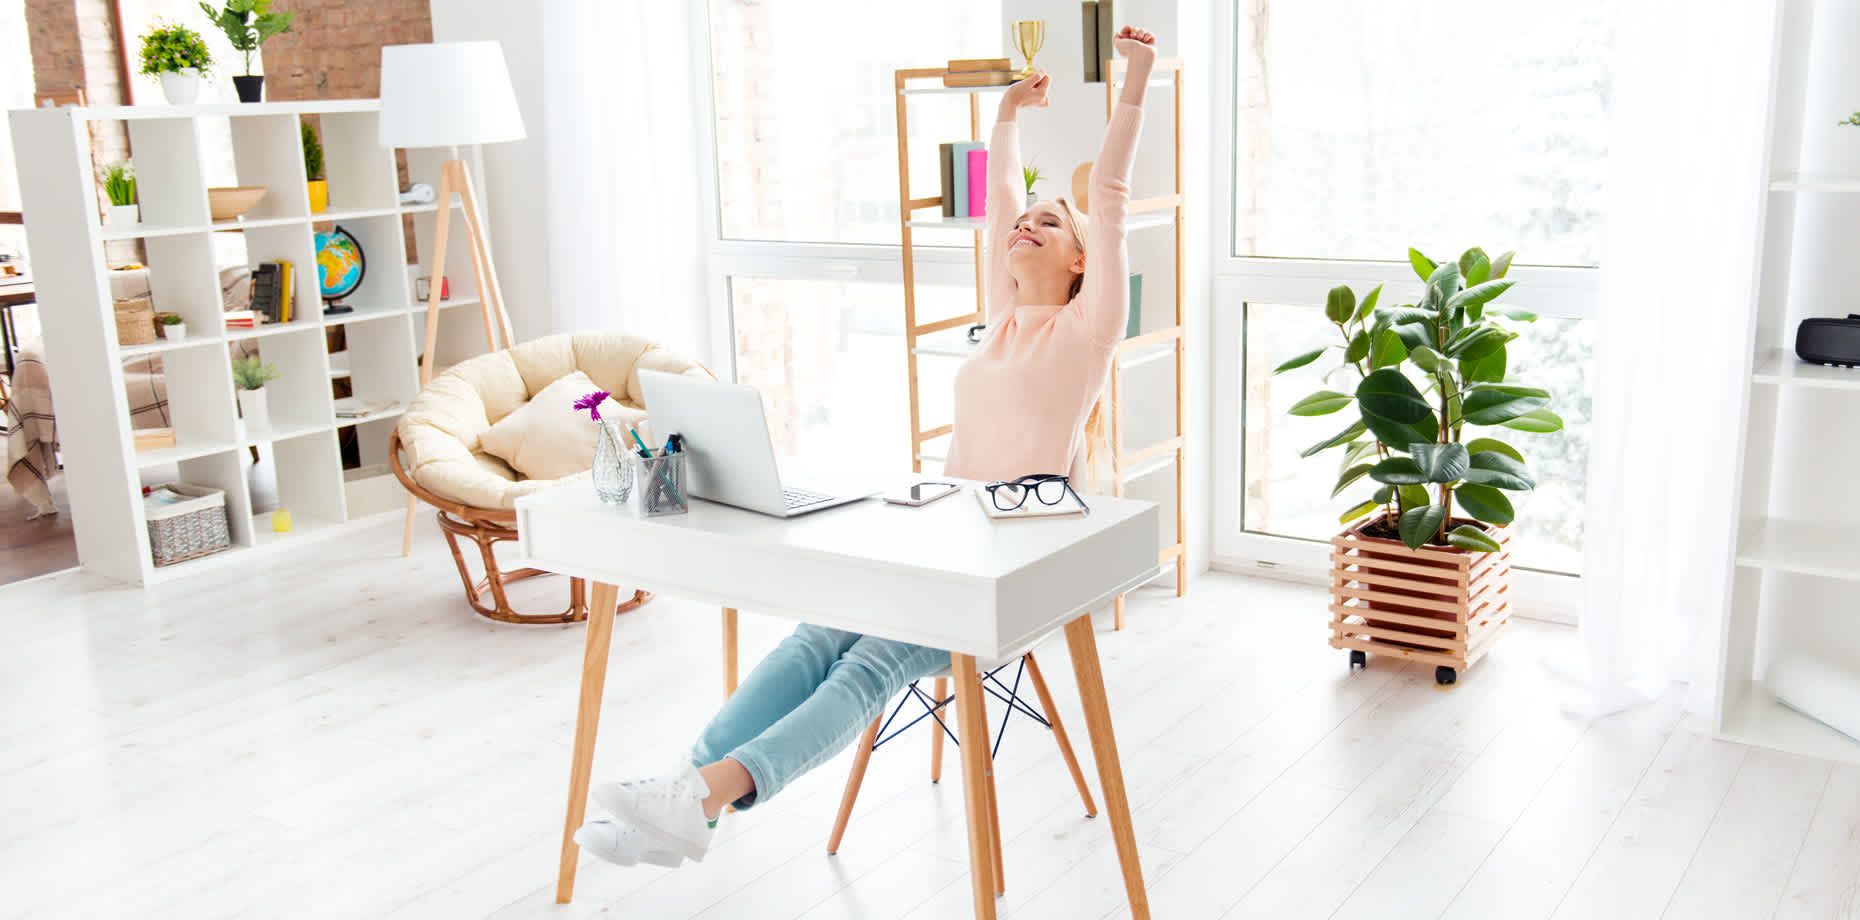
(333, 51)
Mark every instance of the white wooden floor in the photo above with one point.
(336, 735)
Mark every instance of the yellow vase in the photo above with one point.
(319, 195)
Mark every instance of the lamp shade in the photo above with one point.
(447, 93)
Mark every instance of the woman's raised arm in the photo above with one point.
(1105, 298)
(1005, 198)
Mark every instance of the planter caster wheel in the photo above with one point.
(1445, 676)
(1358, 659)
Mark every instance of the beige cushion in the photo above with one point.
(547, 437)
(442, 433)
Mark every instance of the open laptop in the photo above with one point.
(731, 459)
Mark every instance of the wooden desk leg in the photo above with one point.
(1083, 644)
(972, 728)
(729, 651)
(587, 721)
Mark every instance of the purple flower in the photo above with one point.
(592, 403)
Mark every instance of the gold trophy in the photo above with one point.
(1029, 37)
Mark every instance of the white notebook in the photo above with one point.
(1032, 508)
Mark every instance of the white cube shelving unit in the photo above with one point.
(1796, 562)
(179, 152)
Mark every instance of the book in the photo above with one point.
(971, 65)
(1135, 325)
(959, 174)
(946, 166)
(265, 290)
(284, 292)
(979, 78)
(1031, 509)
(1107, 37)
(978, 182)
(1094, 65)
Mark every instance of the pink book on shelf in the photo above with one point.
(978, 183)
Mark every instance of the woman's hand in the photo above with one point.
(1027, 93)
(1136, 44)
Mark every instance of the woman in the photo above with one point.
(1024, 402)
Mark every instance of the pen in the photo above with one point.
(644, 451)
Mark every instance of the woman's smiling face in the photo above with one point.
(1042, 242)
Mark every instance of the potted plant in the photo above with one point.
(170, 326)
(313, 169)
(1031, 174)
(1408, 577)
(177, 56)
(247, 24)
(251, 376)
(119, 185)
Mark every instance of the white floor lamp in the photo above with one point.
(449, 94)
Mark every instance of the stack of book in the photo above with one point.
(242, 319)
(271, 293)
(979, 72)
(963, 168)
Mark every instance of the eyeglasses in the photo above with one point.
(1048, 488)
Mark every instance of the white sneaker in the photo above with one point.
(622, 845)
(669, 809)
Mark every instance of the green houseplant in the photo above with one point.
(313, 169)
(178, 57)
(170, 326)
(1416, 376)
(247, 24)
(1030, 174)
(251, 376)
(119, 185)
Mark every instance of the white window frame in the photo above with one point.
(1239, 280)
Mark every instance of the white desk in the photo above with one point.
(943, 575)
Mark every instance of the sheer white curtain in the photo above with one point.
(625, 168)
(1678, 264)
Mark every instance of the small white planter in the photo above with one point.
(181, 87)
(123, 215)
(175, 332)
(256, 410)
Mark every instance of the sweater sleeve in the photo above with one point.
(1003, 207)
(1104, 299)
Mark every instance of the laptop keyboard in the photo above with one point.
(797, 498)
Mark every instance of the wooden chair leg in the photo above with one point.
(994, 819)
(1059, 735)
(937, 695)
(1119, 607)
(861, 757)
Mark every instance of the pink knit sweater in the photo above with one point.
(1022, 398)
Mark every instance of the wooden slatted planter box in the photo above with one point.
(1435, 605)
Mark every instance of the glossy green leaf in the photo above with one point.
(1414, 336)
(1343, 437)
(1368, 305)
(1442, 462)
(1301, 360)
(1357, 511)
(1502, 264)
(1323, 402)
(1418, 525)
(1384, 494)
(1358, 450)
(1341, 304)
(1426, 358)
(1475, 267)
(1423, 266)
(1443, 284)
(1398, 471)
(1388, 350)
(1489, 369)
(1492, 445)
(1472, 539)
(1349, 478)
(1402, 437)
(1359, 348)
(1539, 421)
(1390, 395)
(1494, 469)
(1500, 404)
(1476, 342)
(1522, 316)
(1413, 496)
(1479, 294)
(1485, 503)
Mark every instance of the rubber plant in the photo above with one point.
(1422, 374)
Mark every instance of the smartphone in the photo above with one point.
(921, 493)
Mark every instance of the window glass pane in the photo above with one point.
(805, 109)
(829, 359)
(1365, 128)
(1288, 495)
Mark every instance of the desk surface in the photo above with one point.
(944, 574)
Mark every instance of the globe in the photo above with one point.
(340, 263)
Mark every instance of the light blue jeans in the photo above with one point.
(806, 701)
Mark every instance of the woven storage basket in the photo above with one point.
(190, 528)
(135, 321)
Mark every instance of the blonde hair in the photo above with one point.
(1094, 422)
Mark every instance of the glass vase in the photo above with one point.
(613, 475)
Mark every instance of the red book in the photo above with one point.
(978, 183)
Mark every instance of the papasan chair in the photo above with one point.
(437, 454)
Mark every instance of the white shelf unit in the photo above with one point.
(1795, 562)
(179, 154)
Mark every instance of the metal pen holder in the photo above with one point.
(658, 485)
